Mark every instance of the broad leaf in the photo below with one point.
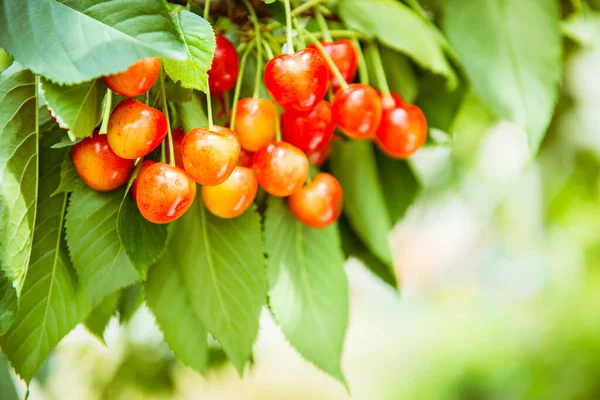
(8, 303)
(99, 317)
(98, 256)
(69, 179)
(130, 300)
(503, 57)
(192, 114)
(18, 170)
(308, 289)
(439, 104)
(7, 386)
(72, 41)
(199, 40)
(51, 302)
(77, 108)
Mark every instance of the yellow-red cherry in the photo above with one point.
(231, 198)
(136, 80)
(308, 130)
(98, 166)
(403, 131)
(245, 159)
(357, 111)
(255, 122)
(135, 129)
(210, 155)
(164, 193)
(344, 55)
(143, 167)
(319, 157)
(319, 203)
(281, 169)
(225, 66)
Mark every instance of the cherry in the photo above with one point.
(319, 157)
(308, 130)
(391, 101)
(403, 131)
(136, 80)
(281, 169)
(164, 193)
(143, 167)
(297, 81)
(245, 159)
(231, 198)
(319, 203)
(209, 156)
(225, 66)
(344, 55)
(135, 129)
(98, 166)
(255, 123)
(357, 111)
(177, 135)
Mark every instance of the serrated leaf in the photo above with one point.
(18, 170)
(77, 108)
(69, 178)
(199, 39)
(51, 302)
(99, 317)
(165, 292)
(98, 256)
(308, 289)
(516, 76)
(73, 41)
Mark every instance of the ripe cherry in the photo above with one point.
(255, 123)
(281, 169)
(319, 203)
(357, 111)
(297, 81)
(403, 131)
(98, 166)
(136, 80)
(135, 129)
(308, 130)
(319, 157)
(391, 101)
(245, 159)
(164, 193)
(177, 135)
(143, 167)
(344, 56)
(209, 156)
(225, 66)
(231, 198)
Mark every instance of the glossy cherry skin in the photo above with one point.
(177, 135)
(209, 156)
(319, 157)
(135, 129)
(297, 81)
(255, 123)
(225, 66)
(98, 166)
(308, 130)
(136, 80)
(143, 167)
(357, 111)
(345, 57)
(245, 159)
(319, 203)
(403, 131)
(164, 193)
(231, 198)
(281, 169)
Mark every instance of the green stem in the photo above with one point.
(165, 108)
(209, 107)
(300, 33)
(288, 25)
(334, 69)
(277, 125)
(177, 9)
(363, 71)
(342, 33)
(238, 84)
(107, 110)
(259, 48)
(268, 49)
(306, 6)
(163, 157)
(323, 25)
(379, 71)
(206, 9)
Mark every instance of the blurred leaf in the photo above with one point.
(175, 92)
(439, 104)
(399, 73)
(99, 317)
(7, 386)
(512, 53)
(8, 303)
(130, 300)
(583, 28)
(192, 114)
(5, 60)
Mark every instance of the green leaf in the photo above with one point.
(399, 72)
(72, 41)
(514, 63)
(77, 108)
(130, 301)
(69, 178)
(51, 302)
(166, 291)
(192, 114)
(308, 289)
(199, 40)
(18, 170)
(97, 320)
(8, 303)
(7, 387)
(583, 28)
(98, 256)
(400, 28)
(439, 104)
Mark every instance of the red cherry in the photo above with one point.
(143, 167)
(344, 55)
(391, 101)
(281, 169)
(177, 135)
(319, 157)
(319, 203)
(231, 198)
(245, 159)
(164, 193)
(308, 130)
(136, 80)
(135, 129)
(98, 166)
(297, 81)
(357, 111)
(403, 131)
(225, 66)
(255, 123)
(209, 156)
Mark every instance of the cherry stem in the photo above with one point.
(238, 84)
(363, 70)
(379, 71)
(209, 107)
(269, 50)
(288, 25)
(306, 6)
(334, 69)
(259, 48)
(165, 108)
(342, 33)
(206, 9)
(277, 125)
(300, 33)
(323, 24)
(107, 110)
